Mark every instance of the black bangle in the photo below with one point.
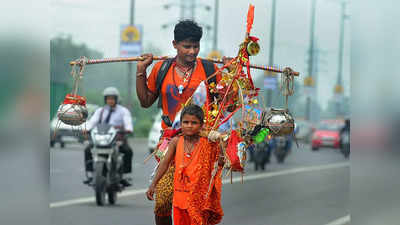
(141, 75)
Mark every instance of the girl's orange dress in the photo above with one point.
(192, 177)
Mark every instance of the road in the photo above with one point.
(309, 188)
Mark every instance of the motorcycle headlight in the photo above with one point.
(103, 139)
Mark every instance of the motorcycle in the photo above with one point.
(282, 148)
(107, 163)
(261, 155)
(345, 143)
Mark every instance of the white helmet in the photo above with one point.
(111, 91)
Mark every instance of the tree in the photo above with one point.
(62, 51)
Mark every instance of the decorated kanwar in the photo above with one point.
(197, 98)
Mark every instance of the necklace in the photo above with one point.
(185, 71)
(187, 151)
(188, 146)
(181, 87)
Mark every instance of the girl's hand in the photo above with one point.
(150, 192)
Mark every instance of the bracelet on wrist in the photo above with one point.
(141, 75)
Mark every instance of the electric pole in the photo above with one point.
(271, 50)
(215, 25)
(309, 80)
(130, 64)
(339, 86)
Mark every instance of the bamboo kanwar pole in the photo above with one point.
(139, 58)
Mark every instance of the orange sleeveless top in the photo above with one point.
(184, 171)
(191, 182)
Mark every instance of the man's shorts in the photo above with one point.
(164, 193)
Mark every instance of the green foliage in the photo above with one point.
(62, 51)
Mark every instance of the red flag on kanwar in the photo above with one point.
(250, 18)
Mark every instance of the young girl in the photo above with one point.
(197, 193)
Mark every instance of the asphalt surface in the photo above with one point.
(309, 188)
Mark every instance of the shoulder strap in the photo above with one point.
(208, 66)
(210, 70)
(160, 78)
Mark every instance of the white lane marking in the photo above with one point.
(81, 170)
(92, 199)
(234, 180)
(286, 172)
(341, 221)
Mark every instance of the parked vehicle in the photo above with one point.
(62, 133)
(107, 163)
(155, 133)
(327, 134)
(305, 130)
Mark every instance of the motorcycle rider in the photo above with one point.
(118, 116)
(345, 128)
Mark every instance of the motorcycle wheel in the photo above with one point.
(280, 156)
(100, 184)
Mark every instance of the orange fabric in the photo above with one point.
(181, 217)
(191, 181)
(171, 99)
(74, 99)
(250, 18)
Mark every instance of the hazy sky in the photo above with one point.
(97, 23)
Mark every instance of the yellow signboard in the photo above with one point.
(309, 82)
(338, 89)
(214, 54)
(130, 34)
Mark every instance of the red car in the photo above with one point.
(326, 134)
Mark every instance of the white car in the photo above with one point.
(63, 133)
(155, 132)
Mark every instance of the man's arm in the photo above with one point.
(94, 119)
(146, 97)
(127, 118)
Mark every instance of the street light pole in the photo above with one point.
(339, 89)
(311, 58)
(271, 47)
(130, 64)
(215, 25)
